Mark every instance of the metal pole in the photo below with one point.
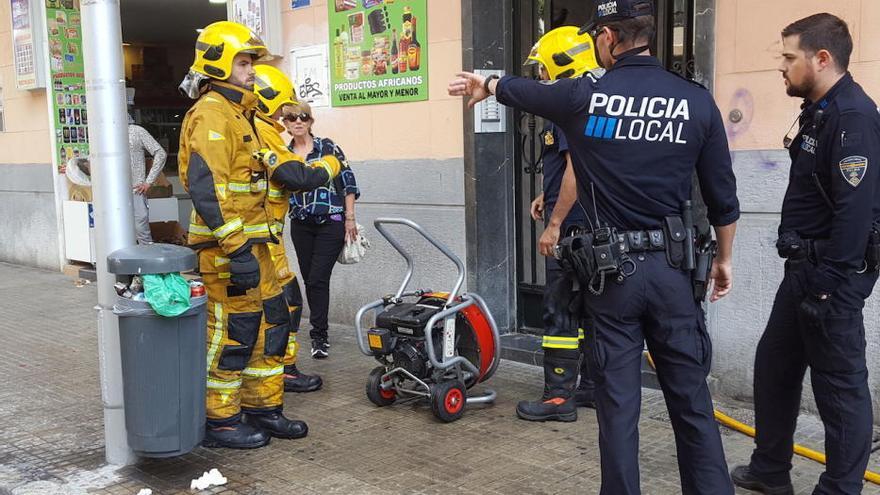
(111, 188)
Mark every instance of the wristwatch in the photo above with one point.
(489, 79)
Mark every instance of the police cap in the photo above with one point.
(617, 10)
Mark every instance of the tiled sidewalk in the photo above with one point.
(51, 431)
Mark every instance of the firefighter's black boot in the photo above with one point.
(277, 425)
(297, 381)
(560, 376)
(236, 435)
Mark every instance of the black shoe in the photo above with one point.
(235, 436)
(277, 425)
(742, 477)
(297, 381)
(556, 409)
(583, 397)
(320, 349)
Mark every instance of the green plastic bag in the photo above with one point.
(167, 293)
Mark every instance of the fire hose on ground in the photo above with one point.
(750, 431)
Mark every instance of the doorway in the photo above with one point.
(158, 45)
(673, 45)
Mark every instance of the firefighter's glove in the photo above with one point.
(267, 157)
(244, 270)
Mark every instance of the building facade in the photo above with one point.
(468, 177)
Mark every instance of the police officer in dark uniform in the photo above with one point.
(828, 234)
(560, 53)
(636, 137)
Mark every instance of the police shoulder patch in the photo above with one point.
(853, 169)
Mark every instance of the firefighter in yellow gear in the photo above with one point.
(289, 174)
(248, 318)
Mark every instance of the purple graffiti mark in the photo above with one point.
(768, 164)
(743, 101)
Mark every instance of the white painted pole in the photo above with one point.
(111, 190)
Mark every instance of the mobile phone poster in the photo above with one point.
(67, 80)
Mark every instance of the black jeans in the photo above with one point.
(317, 247)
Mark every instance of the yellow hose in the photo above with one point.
(750, 431)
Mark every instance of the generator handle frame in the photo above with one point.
(429, 338)
(358, 327)
(467, 299)
(380, 223)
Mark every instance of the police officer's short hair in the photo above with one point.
(634, 30)
(823, 32)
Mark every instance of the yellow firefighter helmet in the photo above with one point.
(564, 53)
(219, 43)
(273, 89)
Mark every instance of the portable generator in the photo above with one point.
(434, 345)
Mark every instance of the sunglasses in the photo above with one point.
(298, 116)
(598, 30)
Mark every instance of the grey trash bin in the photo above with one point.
(163, 359)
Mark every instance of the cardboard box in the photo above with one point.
(161, 188)
(168, 232)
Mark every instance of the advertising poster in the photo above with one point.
(67, 81)
(23, 49)
(379, 51)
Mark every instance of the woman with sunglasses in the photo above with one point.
(322, 220)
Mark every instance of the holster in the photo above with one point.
(707, 248)
(676, 234)
(791, 246)
(575, 255)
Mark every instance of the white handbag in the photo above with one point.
(354, 251)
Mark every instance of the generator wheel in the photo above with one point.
(375, 392)
(448, 400)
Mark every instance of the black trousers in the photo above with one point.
(835, 353)
(654, 305)
(317, 247)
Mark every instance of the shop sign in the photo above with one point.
(379, 51)
(67, 91)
